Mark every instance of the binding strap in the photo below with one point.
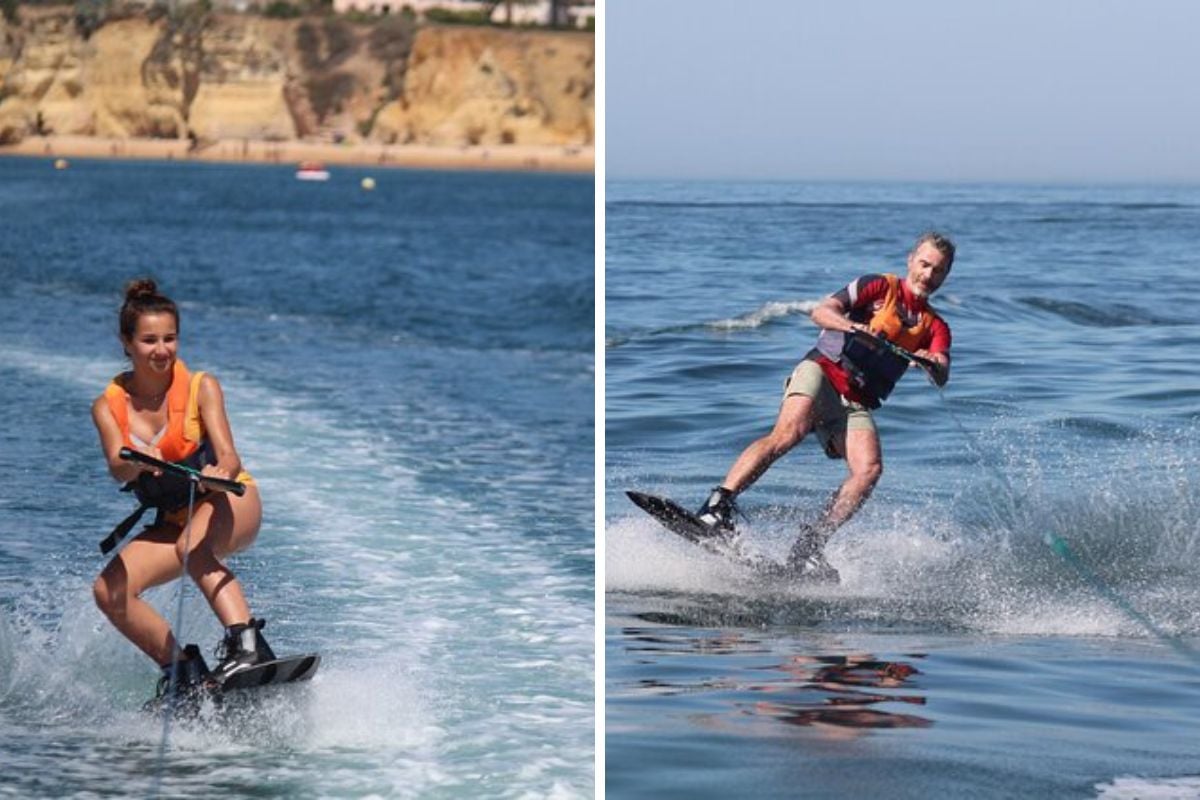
(119, 532)
(167, 493)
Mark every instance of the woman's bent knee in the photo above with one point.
(100, 594)
(181, 547)
(204, 562)
(109, 598)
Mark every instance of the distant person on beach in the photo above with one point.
(161, 409)
(834, 388)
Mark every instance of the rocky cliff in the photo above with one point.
(210, 76)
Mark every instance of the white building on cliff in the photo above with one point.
(571, 14)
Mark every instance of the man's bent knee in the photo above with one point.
(867, 474)
(781, 441)
(787, 434)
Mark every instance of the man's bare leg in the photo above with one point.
(864, 460)
(791, 426)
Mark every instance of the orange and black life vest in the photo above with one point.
(888, 323)
(185, 430)
(183, 442)
(873, 368)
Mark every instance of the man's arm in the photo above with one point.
(940, 372)
(830, 314)
(833, 313)
(938, 351)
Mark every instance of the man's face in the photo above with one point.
(927, 269)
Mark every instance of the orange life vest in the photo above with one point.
(888, 323)
(871, 369)
(185, 429)
(182, 441)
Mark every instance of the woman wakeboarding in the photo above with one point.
(162, 410)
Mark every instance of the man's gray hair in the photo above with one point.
(940, 241)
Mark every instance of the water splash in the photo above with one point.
(973, 556)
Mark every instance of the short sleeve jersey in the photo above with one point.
(863, 297)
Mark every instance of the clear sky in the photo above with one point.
(958, 90)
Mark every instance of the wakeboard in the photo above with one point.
(676, 519)
(684, 523)
(269, 673)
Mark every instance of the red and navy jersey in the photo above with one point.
(863, 297)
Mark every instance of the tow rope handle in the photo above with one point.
(220, 484)
(924, 363)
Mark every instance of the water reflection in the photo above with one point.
(836, 690)
(733, 677)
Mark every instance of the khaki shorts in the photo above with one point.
(833, 414)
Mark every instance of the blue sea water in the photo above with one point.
(409, 376)
(1019, 612)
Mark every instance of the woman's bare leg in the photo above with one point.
(149, 560)
(224, 525)
(220, 526)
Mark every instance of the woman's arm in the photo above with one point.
(111, 442)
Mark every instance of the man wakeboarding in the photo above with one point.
(871, 330)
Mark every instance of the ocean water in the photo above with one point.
(409, 376)
(1019, 612)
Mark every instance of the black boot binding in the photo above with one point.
(807, 558)
(191, 681)
(242, 648)
(718, 514)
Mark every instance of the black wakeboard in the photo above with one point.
(674, 517)
(269, 673)
(684, 523)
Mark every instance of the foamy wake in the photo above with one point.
(440, 628)
(764, 315)
(1132, 786)
(640, 556)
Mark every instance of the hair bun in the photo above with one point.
(142, 297)
(141, 288)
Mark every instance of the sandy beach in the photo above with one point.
(544, 158)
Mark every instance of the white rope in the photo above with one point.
(173, 681)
